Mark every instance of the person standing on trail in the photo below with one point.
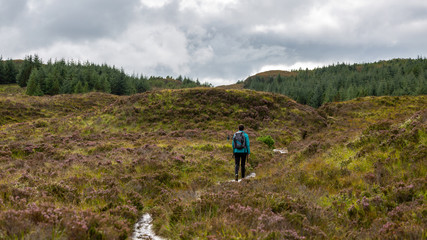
(241, 150)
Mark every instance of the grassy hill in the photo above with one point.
(88, 165)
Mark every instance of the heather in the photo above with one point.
(87, 166)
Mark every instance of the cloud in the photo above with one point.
(140, 48)
(203, 8)
(217, 39)
(154, 3)
(80, 19)
(217, 81)
(10, 11)
(294, 66)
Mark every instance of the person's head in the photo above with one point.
(241, 127)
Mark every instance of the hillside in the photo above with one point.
(341, 82)
(89, 165)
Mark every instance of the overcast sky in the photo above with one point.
(218, 41)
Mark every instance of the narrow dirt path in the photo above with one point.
(144, 229)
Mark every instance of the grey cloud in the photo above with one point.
(79, 20)
(10, 11)
(362, 33)
(231, 43)
(75, 20)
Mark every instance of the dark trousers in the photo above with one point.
(239, 159)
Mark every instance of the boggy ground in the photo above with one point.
(88, 166)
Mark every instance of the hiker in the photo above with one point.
(240, 150)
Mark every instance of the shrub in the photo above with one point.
(207, 147)
(267, 140)
(40, 124)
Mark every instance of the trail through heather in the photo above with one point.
(144, 229)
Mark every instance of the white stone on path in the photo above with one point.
(252, 175)
(281, 151)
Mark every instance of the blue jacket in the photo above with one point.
(244, 150)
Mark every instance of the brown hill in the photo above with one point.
(274, 73)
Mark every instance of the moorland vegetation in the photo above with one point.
(87, 166)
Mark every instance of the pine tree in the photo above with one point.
(33, 88)
(10, 71)
(317, 97)
(55, 89)
(105, 84)
(78, 88)
(329, 94)
(141, 85)
(2, 73)
(52, 84)
(85, 87)
(119, 84)
(25, 72)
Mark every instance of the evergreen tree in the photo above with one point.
(317, 97)
(52, 84)
(329, 94)
(179, 78)
(2, 73)
(142, 85)
(25, 72)
(34, 88)
(10, 71)
(102, 84)
(118, 84)
(78, 88)
(85, 87)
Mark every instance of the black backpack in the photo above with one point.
(239, 140)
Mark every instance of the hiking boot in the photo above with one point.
(237, 177)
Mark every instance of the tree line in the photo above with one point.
(67, 77)
(8, 71)
(341, 82)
